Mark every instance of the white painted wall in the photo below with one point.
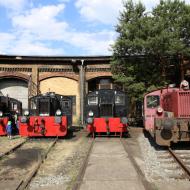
(15, 88)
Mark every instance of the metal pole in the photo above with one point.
(82, 91)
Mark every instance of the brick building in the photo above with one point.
(22, 77)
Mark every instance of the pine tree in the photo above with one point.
(148, 43)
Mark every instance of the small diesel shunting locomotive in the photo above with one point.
(106, 112)
(167, 114)
(49, 114)
(10, 108)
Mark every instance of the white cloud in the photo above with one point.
(37, 48)
(13, 4)
(63, 1)
(92, 43)
(5, 42)
(40, 26)
(25, 45)
(42, 22)
(105, 11)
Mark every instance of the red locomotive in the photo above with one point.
(106, 112)
(50, 114)
(167, 114)
(10, 108)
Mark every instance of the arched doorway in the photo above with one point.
(100, 83)
(64, 86)
(15, 88)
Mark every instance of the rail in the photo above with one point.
(26, 181)
(83, 168)
(13, 149)
(180, 162)
(145, 183)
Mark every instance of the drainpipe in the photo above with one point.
(82, 91)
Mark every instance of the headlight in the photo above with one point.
(90, 114)
(124, 120)
(160, 110)
(23, 119)
(90, 120)
(1, 113)
(58, 112)
(184, 83)
(26, 113)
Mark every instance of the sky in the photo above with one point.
(60, 27)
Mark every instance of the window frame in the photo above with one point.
(94, 103)
(123, 100)
(157, 100)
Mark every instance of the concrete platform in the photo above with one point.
(110, 168)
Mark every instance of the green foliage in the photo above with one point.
(146, 40)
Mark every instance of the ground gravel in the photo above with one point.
(61, 168)
(157, 164)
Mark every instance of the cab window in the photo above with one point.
(153, 101)
(92, 100)
(66, 104)
(120, 99)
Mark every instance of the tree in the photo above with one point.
(148, 43)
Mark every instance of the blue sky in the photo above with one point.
(59, 27)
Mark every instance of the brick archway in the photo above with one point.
(99, 75)
(52, 75)
(20, 76)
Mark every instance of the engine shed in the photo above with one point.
(22, 77)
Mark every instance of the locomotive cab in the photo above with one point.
(50, 114)
(106, 112)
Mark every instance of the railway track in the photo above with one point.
(18, 168)
(25, 182)
(11, 150)
(81, 173)
(183, 159)
(145, 183)
(175, 163)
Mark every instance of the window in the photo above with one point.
(153, 101)
(14, 106)
(120, 99)
(33, 104)
(66, 104)
(73, 99)
(92, 100)
(44, 108)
